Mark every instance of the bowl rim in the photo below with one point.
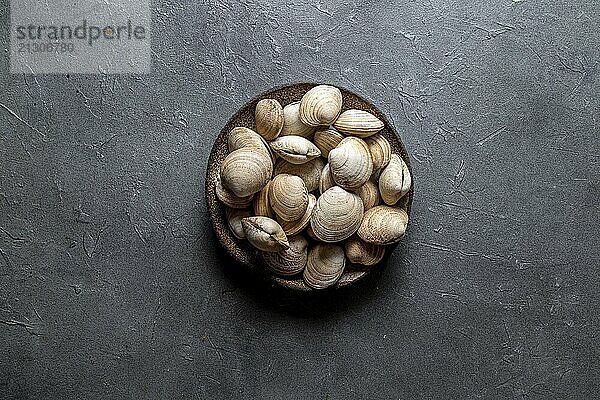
(253, 262)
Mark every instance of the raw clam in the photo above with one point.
(295, 149)
(294, 227)
(268, 118)
(324, 266)
(246, 171)
(310, 171)
(261, 205)
(358, 123)
(234, 220)
(360, 252)
(326, 179)
(241, 137)
(321, 105)
(394, 181)
(291, 261)
(380, 151)
(228, 198)
(292, 124)
(288, 197)
(350, 163)
(327, 139)
(383, 225)
(311, 234)
(265, 234)
(337, 215)
(369, 194)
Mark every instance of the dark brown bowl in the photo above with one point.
(240, 250)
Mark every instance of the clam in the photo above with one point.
(246, 171)
(292, 124)
(337, 215)
(326, 179)
(358, 123)
(261, 205)
(350, 163)
(321, 105)
(234, 220)
(268, 118)
(383, 225)
(295, 149)
(310, 171)
(228, 198)
(360, 252)
(380, 151)
(310, 233)
(291, 261)
(288, 197)
(327, 139)
(324, 266)
(394, 181)
(294, 227)
(241, 137)
(265, 234)
(369, 194)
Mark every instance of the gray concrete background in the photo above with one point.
(112, 285)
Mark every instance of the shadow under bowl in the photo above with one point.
(240, 250)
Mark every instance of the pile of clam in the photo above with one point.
(306, 187)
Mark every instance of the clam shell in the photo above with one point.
(265, 234)
(380, 149)
(360, 252)
(310, 171)
(292, 124)
(337, 215)
(394, 181)
(234, 220)
(310, 233)
(358, 123)
(288, 262)
(383, 225)
(295, 149)
(327, 139)
(246, 171)
(321, 105)
(268, 117)
(350, 163)
(294, 227)
(241, 137)
(326, 179)
(228, 198)
(288, 197)
(324, 266)
(369, 194)
(261, 205)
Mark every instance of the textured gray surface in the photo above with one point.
(111, 283)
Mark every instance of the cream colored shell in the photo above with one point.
(369, 194)
(246, 171)
(395, 180)
(268, 117)
(288, 197)
(310, 171)
(360, 252)
(327, 139)
(321, 105)
(324, 266)
(261, 205)
(350, 163)
(234, 220)
(294, 227)
(337, 215)
(265, 234)
(326, 179)
(228, 198)
(380, 149)
(358, 123)
(383, 225)
(292, 125)
(288, 262)
(295, 149)
(241, 137)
